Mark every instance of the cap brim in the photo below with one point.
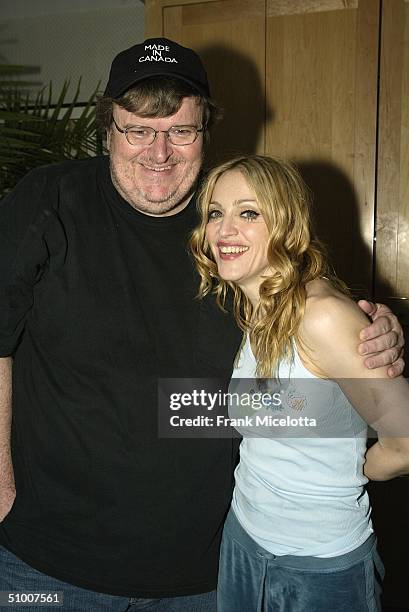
(122, 88)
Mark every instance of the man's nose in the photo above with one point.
(161, 149)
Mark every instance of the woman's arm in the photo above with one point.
(387, 458)
(330, 329)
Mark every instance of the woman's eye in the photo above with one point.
(249, 214)
(214, 214)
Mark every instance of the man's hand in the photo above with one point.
(383, 340)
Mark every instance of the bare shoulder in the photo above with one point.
(328, 311)
(329, 331)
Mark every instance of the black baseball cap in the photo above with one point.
(154, 57)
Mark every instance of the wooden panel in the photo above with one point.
(229, 35)
(154, 14)
(207, 13)
(292, 7)
(321, 79)
(153, 19)
(392, 231)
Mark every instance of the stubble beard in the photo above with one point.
(142, 201)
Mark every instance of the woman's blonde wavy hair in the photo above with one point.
(295, 257)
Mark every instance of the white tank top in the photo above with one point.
(303, 495)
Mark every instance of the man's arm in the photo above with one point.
(383, 340)
(7, 488)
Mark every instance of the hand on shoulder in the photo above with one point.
(330, 333)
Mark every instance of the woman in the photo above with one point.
(298, 537)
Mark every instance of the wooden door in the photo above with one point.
(321, 79)
(392, 219)
(229, 35)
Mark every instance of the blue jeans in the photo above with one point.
(17, 576)
(254, 580)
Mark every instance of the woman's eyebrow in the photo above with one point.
(236, 202)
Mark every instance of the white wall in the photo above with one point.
(69, 38)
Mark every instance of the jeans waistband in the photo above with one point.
(236, 531)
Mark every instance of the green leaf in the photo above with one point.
(34, 131)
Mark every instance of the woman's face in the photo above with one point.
(237, 234)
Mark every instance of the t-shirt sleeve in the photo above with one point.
(24, 215)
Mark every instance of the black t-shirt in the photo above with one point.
(97, 301)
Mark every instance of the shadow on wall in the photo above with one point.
(236, 86)
(390, 508)
(336, 222)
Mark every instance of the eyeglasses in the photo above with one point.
(179, 135)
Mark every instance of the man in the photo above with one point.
(97, 302)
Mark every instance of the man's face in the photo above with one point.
(156, 179)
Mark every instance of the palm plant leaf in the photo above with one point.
(34, 132)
